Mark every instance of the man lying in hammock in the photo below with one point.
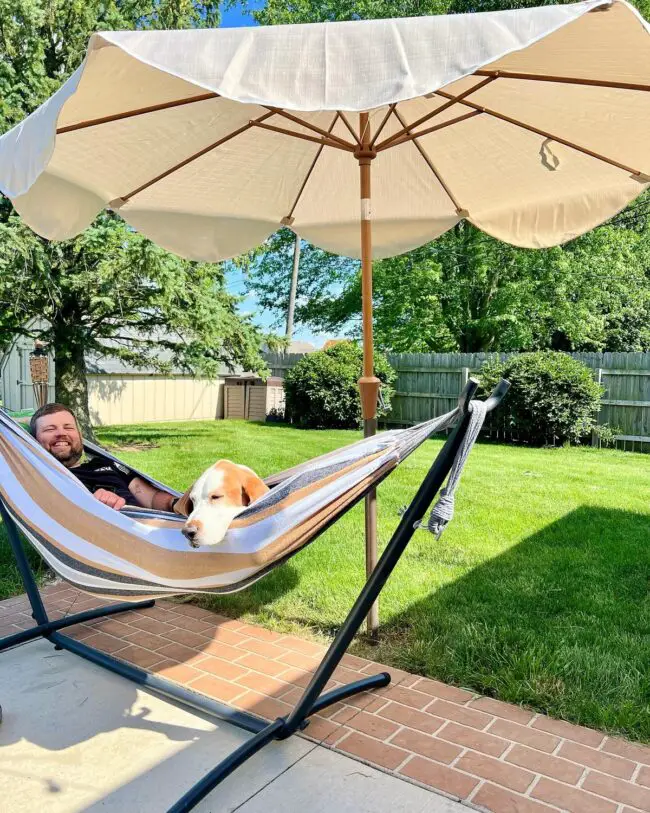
(55, 427)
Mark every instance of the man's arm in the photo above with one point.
(150, 497)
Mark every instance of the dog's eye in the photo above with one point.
(215, 496)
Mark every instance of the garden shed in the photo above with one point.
(16, 388)
(249, 398)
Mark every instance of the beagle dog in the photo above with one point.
(215, 499)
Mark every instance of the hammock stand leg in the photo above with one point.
(47, 628)
(44, 625)
(160, 686)
(312, 701)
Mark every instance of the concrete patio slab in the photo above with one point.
(488, 754)
(75, 737)
(324, 781)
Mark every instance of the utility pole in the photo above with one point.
(294, 286)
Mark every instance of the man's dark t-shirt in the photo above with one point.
(97, 473)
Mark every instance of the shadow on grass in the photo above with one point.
(560, 622)
(115, 437)
(172, 431)
(255, 598)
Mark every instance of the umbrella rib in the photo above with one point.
(383, 123)
(140, 111)
(288, 220)
(191, 158)
(412, 136)
(560, 140)
(459, 209)
(326, 142)
(309, 126)
(345, 121)
(451, 101)
(564, 80)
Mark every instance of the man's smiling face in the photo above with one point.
(58, 434)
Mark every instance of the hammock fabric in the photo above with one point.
(138, 553)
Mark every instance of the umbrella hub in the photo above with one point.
(364, 154)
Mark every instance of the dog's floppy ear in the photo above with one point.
(184, 505)
(252, 488)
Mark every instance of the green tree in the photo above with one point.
(466, 291)
(110, 291)
(281, 12)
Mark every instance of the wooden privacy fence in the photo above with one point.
(428, 385)
(279, 363)
(626, 402)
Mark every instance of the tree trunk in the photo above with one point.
(71, 386)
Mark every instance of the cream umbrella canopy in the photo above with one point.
(530, 124)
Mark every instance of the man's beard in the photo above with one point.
(68, 455)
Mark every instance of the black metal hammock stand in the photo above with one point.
(92, 547)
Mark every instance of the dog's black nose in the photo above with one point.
(190, 533)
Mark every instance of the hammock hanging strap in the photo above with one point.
(443, 511)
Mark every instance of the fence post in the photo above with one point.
(595, 440)
(464, 377)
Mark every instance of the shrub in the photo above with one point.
(553, 397)
(606, 434)
(275, 415)
(321, 391)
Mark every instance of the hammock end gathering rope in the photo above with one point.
(443, 511)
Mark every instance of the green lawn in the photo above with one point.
(537, 593)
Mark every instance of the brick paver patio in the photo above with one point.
(491, 755)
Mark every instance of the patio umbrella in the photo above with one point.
(530, 124)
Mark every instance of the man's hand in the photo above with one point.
(109, 499)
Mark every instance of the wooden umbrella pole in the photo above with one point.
(368, 383)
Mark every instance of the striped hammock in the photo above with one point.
(134, 553)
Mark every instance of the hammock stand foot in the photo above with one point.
(342, 692)
(160, 686)
(277, 730)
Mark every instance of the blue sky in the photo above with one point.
(233, 18)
